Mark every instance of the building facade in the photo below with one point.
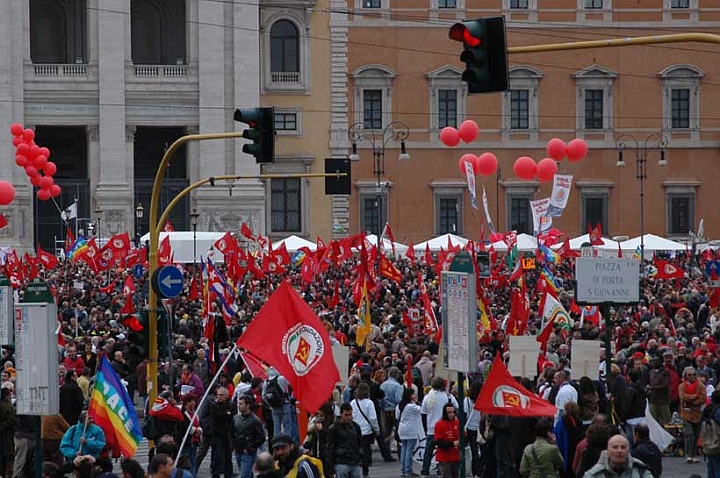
(401, 65)
(108, 85)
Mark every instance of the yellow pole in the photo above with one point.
(616, 42)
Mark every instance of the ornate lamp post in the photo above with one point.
(194, 215)
(139, 213)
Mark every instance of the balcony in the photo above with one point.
(60, 71)
(160, 71)
(285, 77)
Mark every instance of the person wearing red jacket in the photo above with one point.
(447, 440)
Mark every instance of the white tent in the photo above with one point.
(400, 249)
(652, 243)
(181, 243)
(577, 242)
(440, 242)
(293, 243)
(525, 242)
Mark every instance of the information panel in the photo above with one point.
(459, 316)
(6, 311)
(36, 359)
(605, 280)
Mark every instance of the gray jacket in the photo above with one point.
(634, 469)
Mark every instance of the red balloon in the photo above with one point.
(34, 151)
(28, 135)
(525, 168)
(40, 161)
(35, 180)
(23, 149)
(31, 171)
(7, 193)
(46, 182)
(469, 131)
(577, 149)
(467, 158)
(50, 168)
(450, 136)
(487, 164)
(44, 194)
(16, 129)
(17, 141)
(45, 152)
(546, 169)
(556, 149)
(21, 161)
(55, 190)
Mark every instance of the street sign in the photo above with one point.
(459, 314)
(167, 282)
(711, 266)
(138, 271)
(606, 280)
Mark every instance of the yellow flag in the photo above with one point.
(363, 330)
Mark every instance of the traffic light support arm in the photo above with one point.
(617, 42)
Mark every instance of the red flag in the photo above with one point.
(164, 252)
(387, 232)
(545, 334)
(408, 371)
(108, 289)
(226, 244)
(410, 253)
(619, 251)
(388, 269)
(428, 256)
(128, 286)
(69, 240)
(128, 307)
(49, 261)
(120, 245)
(565, 251)
(335, 299)
(517, 271)
(288, 335)
(503, 395)
(168, 227)
(595, 234)
(246, 231)
(517, 323)
(3, 221)
(254, 365)
(666, 270)
(194, 293)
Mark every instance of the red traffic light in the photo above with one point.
(459, 32)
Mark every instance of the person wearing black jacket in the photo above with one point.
(72, 398)
(343, 445)
(647, 451)
(248, 436)
(221, 425)
(635, 401)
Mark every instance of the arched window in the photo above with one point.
(57, 31)
(284, 47)
(157, 31)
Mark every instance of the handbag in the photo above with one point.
(365, 417)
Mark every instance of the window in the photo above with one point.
(680, 101)
(594, 109)
(595, 211)
(58, 31)
(519, 4)
(519, 109)
(593, 4)
(372, 109)
(286, 121)
(372, 213)
(447, 4)
(681, 212)
(680, 4)
(520, 215)
(285, 205)
(372, 3)
(447, 108)
(448, 216)
(284, 49)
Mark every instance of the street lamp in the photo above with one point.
(98, 215)
(194, 215)
(379, 139)
(653, 141)
(139, 212)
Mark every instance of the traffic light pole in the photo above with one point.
(156, 226)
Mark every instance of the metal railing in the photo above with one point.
(58, 70)
(285, 77)
(161, 71)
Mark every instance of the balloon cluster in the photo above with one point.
(486, 164)
(34, 159)
(525, 167)
(467, 132)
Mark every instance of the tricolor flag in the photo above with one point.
(113, 411)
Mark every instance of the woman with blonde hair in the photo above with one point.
(692, 398)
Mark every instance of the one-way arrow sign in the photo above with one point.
(167, 282)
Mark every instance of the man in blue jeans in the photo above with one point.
(284, 416)
(432, 409)
(248, 436)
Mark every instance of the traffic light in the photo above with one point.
(261, 131)
(484, 54)
(138, 327)
(337, 184)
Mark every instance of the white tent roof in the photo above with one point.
(441, 242)
(182, 244)
(652, 243)
(400, 249)
(293, 243)
(577, 242)
(525, 242)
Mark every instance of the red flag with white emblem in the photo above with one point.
(49, 261)
(666, 270)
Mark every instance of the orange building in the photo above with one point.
(400, 65)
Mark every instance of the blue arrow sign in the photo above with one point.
(710, 265)
(168, 282)
(138, 271)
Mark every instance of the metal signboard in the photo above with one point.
(459, 315)
(606, 280)
(6, 311)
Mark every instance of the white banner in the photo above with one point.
(561, 190)
(487, 212)
(539, 210)
(470, 175)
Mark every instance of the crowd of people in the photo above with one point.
(664, 351)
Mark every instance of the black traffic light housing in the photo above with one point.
(337, 184)
(261, 131)
(484, 53)
(138, 327)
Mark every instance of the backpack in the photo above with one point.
(274, 394)
(148, 427)
(710, 433)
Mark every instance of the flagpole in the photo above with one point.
(202, 400)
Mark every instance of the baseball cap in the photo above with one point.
(281, 440)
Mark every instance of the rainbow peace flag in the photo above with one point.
(113, 411)
(549, 279)
(78, 247)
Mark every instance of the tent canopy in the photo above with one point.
(525, 242)
(440, 242)
(181, 243)
(400, 249)
(577, 242)
(653, 243)
(293, 243)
